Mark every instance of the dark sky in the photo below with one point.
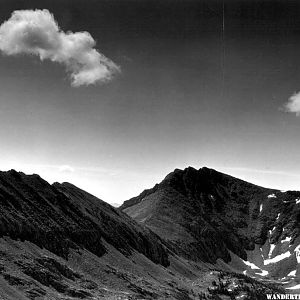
(189, 93)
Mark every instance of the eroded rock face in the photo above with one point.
(205, 214)
(60, 217)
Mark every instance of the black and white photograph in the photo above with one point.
(149, 149)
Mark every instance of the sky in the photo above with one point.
(113, 95)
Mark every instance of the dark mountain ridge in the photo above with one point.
(56, 217)
(205, 214)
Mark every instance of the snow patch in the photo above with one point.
(297, 251)
(272, 196)
(260, 208)
(263, 273)
(292, 273)
(277, 258)
(255, 267)
(295, 287)
(271, 231)
(287, 239)
(272, 247)
(297, 200)
(278, 216)
(251, 265)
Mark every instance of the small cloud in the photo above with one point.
(293, 104)
(66, 169)
(36, 32)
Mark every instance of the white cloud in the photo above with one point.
(293, 104)
(36, 32)
(66, 168)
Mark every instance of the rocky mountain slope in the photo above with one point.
(62, 217)
(45, 229)
(59, 242)
(213, 217)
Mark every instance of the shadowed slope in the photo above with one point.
(60, 217)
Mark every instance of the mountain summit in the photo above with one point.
(210, 216)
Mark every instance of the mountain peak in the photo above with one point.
(188, 170)
(179, 180)
(211, 210)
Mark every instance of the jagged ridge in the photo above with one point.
(204, 213)
(61, 216)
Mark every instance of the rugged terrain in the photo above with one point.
(213, 217)
(191, 240)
